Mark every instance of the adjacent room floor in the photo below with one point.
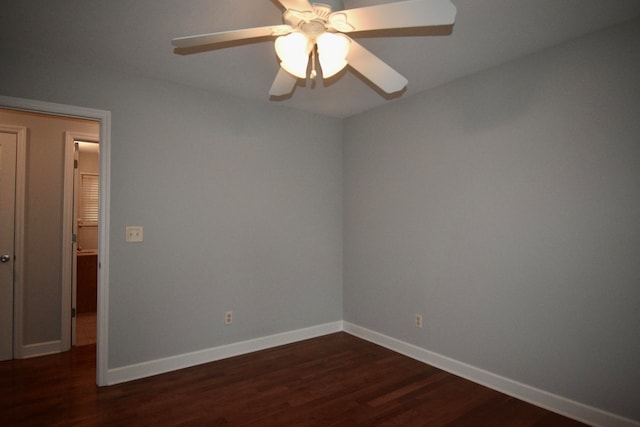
(85, 329)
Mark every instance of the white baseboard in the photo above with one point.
(160, 366)
(40, 349)
(561, 405)
(541, 398)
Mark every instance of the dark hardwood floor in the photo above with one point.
(335, 380)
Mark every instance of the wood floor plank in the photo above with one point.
(334, 380)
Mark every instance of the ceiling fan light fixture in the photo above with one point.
(332, 53)
(293, 51)
(317, 27)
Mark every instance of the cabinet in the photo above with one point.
(87, 283)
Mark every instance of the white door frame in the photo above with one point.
(18, 242)
(104, 118)
(69, 227)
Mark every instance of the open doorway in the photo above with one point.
(42, 297)
(41, 329)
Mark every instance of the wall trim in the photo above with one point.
(167, 364)
(40, 349)
(541, 398)
(552, 402)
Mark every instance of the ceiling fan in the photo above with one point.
(315, 32)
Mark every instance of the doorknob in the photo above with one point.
(5, 258)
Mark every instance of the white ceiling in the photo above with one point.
(135, 37)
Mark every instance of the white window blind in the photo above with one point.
(89, 199)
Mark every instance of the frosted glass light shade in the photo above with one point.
(293, 50)
(332, 53)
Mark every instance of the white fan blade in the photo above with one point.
(375, 69)
(283, 84)
(193, 44)
(299, 5)
(404, 14)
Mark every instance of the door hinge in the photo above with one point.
(74, 238)
(75, 164)
(73, 312)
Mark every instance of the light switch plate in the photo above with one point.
(133, 233)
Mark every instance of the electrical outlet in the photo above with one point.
(418, 321)
(228, 317)
(134, 234)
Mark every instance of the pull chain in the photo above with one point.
(313, 73)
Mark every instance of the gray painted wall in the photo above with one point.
(241, 204)
(505, 208)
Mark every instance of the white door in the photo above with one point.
(8, 146)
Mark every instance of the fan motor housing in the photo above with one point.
(312, 29)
